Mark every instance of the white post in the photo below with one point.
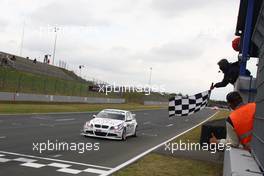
(22, 39)
(55, 43)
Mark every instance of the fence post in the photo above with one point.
(55, 88)
(4, 79)
(73, 87)
(32, 84)
(80, 89)
(64, 92)
(44, 85)
(19, 83)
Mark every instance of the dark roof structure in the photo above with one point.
(241, 21)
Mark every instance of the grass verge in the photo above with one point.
(160, 165)
(14, 108)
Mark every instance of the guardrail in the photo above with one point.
(10, 96)
(155, 103)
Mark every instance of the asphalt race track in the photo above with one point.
(19, 132)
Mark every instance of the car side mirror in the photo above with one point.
(134, 115)
(94, 116)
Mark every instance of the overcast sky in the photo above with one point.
(119, 40)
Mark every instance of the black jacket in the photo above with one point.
(230, 75)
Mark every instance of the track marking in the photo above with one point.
(146, 123)
(47, 125)
(61, 120)
(25, 160)
(66, 123)
(55, 160)
(52, 113)
(96, 171)
(34, 165)
(65, 113)
(169, 125)
(16, 124)
(151, 135)
(41, 118)
(3, 160)
(59, 165)
(153, 148)
(56, 156)
(69, 171)
(2, 137)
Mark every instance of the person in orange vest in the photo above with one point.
(239, 124)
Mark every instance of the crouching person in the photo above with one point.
(239, 124)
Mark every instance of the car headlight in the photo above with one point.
(118, 127)
(88, 125)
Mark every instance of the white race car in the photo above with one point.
(111, 124)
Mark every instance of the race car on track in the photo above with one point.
(111, 124)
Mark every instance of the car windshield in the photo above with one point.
(111, 115)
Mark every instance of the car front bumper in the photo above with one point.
(108, 134)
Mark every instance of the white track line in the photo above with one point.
(25, 160)
(47, 125)
(59, 165)
(153, 148)
(96, 171)
(33, 165)
(41, 118)
(61, 120)
(61, 113)
(52, 113)
(150, 135)
(3, 160)
(69, 171)
(146, 123)
(56, 156)
(56, 160)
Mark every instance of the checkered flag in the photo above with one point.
(184, 106)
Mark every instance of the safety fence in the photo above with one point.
(12, 96)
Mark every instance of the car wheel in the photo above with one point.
(135, 133)
(124, 136)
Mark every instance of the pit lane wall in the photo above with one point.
(10, 96)
(155, 103)
(237, 161)
(258, 131)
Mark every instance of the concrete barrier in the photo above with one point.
(9, 96)
(238, 162)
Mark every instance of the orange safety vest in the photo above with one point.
(243, 119)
